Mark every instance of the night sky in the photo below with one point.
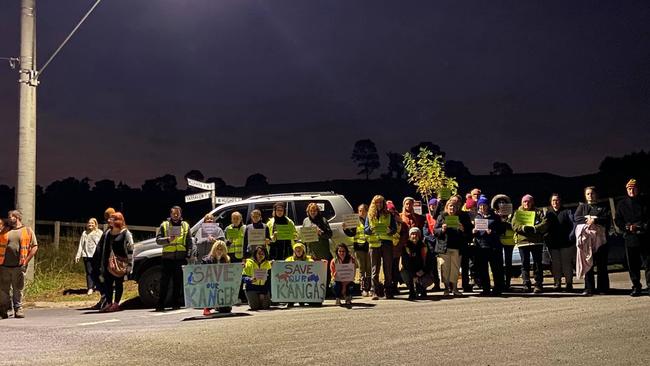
(285, 88)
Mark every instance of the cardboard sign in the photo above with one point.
(174, 231)
(452, 222)
(380, 228)
(351, 221)
(260, 274)
(444, 194)
(524, 218)
(283, 232)
(344, 272)
(256, 237)
(505, 209)
(209, 228)
(309, 234)
(298, 281)
(417, 207)
(211, 285)
(481, 224)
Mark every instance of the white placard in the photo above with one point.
(221, 200)
(197, 196)
(175, 231)
(260, 274)
(209, 228)
(417, 207)
(505, 209)
(351, 221)
(202, 185)
(309, 234)
(481, 224)
(321, 206)
(344, 272)
(256, 237)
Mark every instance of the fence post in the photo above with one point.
(57, 234)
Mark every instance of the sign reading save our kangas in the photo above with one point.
(298, 281)
(211, 285)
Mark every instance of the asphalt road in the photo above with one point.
(522, 329)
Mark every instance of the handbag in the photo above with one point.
(441, 246)
(117, 266)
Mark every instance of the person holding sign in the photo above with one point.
(415, 267)
(530, 225)
(218, 254)
(205, 237)
(257, 233)
(361, 247)
(380, 227)
(256, 278)
(450, 235)
(343, 271)
(283, 232)
(299, 254)
(591, 215)
(174, 236)
(487, 230)
(502, 205)
(319, 249)
(235, 237)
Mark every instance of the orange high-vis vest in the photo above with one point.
(25, 240)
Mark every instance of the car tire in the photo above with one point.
(149, 286)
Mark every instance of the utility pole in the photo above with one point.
(26, 185)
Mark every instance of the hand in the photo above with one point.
(633, 227)
(320, 232)
(23, 268)
(344, 226)
(76, 260)
(444, 228)
(474, 231)
(211, 238)
(488, 231)
(274, 236)
(590, 221)
(461, 228)
(171, 238)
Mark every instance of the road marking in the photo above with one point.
(171, 312)
(100, 322)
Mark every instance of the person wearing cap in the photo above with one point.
(414, 265)
(500, 204)
(559, 243)
(592, 215)
(633, 217)
(530, 240)
(488, 248)
(430, 240)
(380, 227)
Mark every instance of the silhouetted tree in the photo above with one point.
(218, 182)
(455, 168)
(499, 168)
(194, 174)
(166, 183)
(104, 186)
(634, 164)
(365, 155)
(256, 180)
(433, 148)
(395, 166)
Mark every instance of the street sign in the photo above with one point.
(198, 196)
(202, 185)
(222, 200)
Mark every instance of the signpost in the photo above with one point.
(209, 187)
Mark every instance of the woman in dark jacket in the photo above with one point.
(415, 266)
(489, 249)
(451, 238)
(529, 237)
(590, 213)
(119, 242)
(559, 243)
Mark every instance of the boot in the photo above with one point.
(19, 313)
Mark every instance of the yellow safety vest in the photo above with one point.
(375, 239)
(508, 238)
(235, 235)
(178, 244)
(360, 236)
(251, 266)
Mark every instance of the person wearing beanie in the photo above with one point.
(592, 217)
(507, 238)
(633, 218)
(415, 268)
(430, 241)
(410, 220)
(529, 238)
(488, 248)
(559, 243)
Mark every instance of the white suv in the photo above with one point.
(147, 254)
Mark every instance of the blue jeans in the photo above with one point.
(338, 288)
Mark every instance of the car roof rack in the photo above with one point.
(294, 194)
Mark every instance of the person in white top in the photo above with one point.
(87, 245)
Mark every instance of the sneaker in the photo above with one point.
(348, 300)
(90, 291)
(114, 307)
(587, 293)
(445, 292)
(105, 308)
(365, 293)
(3, 314)
(338, 301)
(19, 313)
(538, 290)
(375, 297)
(159, 309)
(457, 293)
(206, 312)
(635, 292)
(528, 288)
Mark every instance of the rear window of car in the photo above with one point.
(224, 217)
(325, 207)
(267, 212)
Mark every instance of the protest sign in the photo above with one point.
(260, 274)
(345, 272)
(481, 224)
(211, 285)
(452, 222)
(524, 218)
(256, 237)
(284, 232)
(298, 281)
(505, 209)
(380, 228)
(351, 221)
(417, 207)
(309, 234)
(444, 193)
(174, 231)
(209, 228)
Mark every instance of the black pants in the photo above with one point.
(111, 284)
(507, 264)
(88, 266)
(494, 258)
(100, 285)
(638, 257)
(600, 261)
(538, 268)
(171, 272)
(280, 250)
(468, 267)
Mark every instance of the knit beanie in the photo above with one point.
(483, 200)
(527, 198)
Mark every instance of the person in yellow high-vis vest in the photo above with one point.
(380, 227)
(235, 237)
(174, 236)
(361, 248)
(18, 246)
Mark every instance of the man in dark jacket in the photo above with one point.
(559, 243)
(174, 236)
(96, 264)
(632, 217)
